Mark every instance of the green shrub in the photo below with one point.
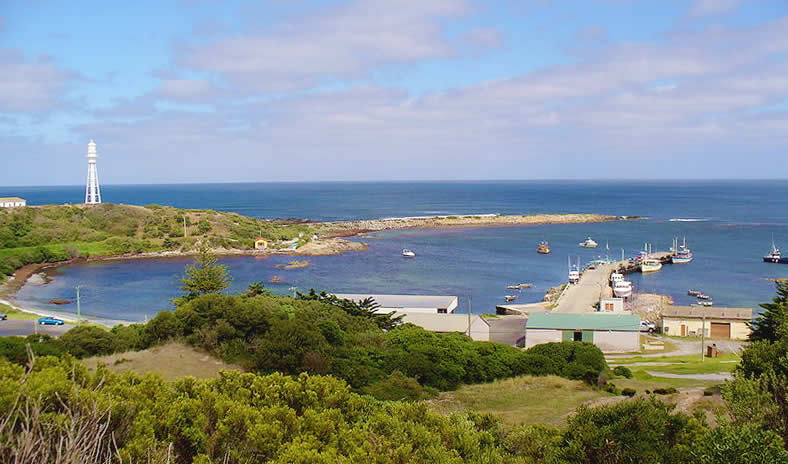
(622, 371)
(398, 387)
(665, 391)
(87, 341)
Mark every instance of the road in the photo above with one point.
(580, 297)
(26, 327)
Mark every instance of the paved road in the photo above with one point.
(580, 297)
(25, 327)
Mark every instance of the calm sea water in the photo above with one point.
(736, 223)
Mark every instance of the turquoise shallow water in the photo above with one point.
(738, 221)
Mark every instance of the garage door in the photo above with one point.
(720, 330)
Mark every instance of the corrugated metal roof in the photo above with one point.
(405, 301)
(592, 321)
(439, 322)
(12, 199)
(698, 312)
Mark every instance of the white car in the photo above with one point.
(646, 326)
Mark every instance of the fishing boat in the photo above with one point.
(543, 248)
(705, 303)
(407, 253)
(681, 254)
(509, 298)
(650, 265)
(622, 289)
(703, 296)
(616, 277)
(693, 292)
(574, 271)
(775, 256)
(589, 243)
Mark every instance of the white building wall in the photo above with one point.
(617, 341)
(535, 337)
(480, 331)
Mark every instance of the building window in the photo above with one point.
(608, 306)
(441, 310)
(578, 335)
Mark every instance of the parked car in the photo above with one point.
(3, 316)
(50, 321)
(646, 326)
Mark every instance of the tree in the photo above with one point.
(367, 308)
(764, 327)
(204, 276)
(87, 341)
(255, 289)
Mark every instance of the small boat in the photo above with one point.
(543, 248)
(681, 254)
(775, 256)
(650, 265)
(574, 276)
(703, 296)
(616, 277)
(705, 303)
(407, 253)
(588, 243)
(622, 289)
(519, 286)
(693, 292)
(509, 298)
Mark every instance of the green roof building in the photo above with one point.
(612, 333)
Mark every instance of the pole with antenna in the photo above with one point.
(79, 306)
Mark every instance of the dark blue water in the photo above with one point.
(738, 221)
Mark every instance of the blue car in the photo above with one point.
(50, 321)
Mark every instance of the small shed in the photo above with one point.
(611, 304)
(611, 332)
(12, 202)
(260, 243)
(718, 322)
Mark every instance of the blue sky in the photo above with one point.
(208, 91)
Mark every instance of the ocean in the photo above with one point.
(728, 224)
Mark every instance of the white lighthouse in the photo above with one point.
(92, 190)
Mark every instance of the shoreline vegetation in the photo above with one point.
(40, 239)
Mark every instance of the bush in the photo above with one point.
(398, 387)
(665, 391)
(573, 360)
(622, 371)
(628, 392)
(87, 341)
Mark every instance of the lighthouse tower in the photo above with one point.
(92, 191)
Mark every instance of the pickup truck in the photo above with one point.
(646, 326)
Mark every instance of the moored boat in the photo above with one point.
(509, 298)
(650, 265)
(622, 289)
(693, 292)
(681, 253)
(775, 256)
(588, 243)
(543, 248)
(703, 296)
(705, 303)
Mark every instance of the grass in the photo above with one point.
(686, 364)
(642, 380)
(521, 400)
(16, 314)
(172, 361)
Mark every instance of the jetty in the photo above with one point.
(594, 284)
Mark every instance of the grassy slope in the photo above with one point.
(107, 229)
(522, 400)
(15, 314)
(173, 361)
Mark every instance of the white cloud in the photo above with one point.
(712, 7)
(342, 41)
(29, 86)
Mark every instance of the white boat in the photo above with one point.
(574, 276)
(509, 298)
(616, 277)
(588, 243)
(650, 265)
(680, 253)
(622, 289)
(407, 253)
(705, 303)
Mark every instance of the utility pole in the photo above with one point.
(79, 307)
(703, 336)
(469, 315)
(184, 226)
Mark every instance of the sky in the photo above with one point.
(177, 91)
